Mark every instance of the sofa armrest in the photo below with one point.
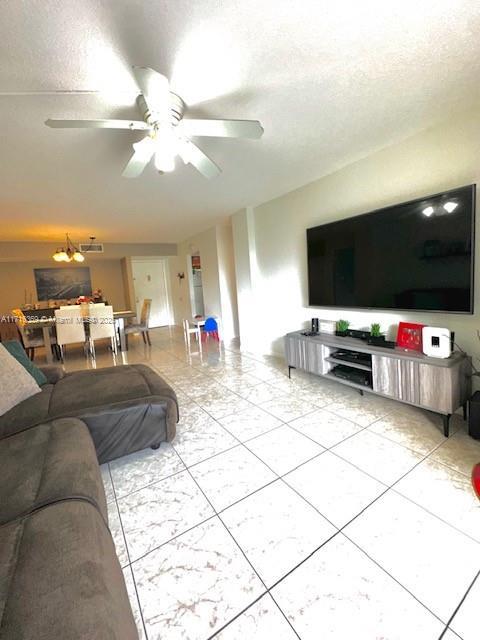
(52, 372)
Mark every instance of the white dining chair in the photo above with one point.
(188, 329)
(101, 325)
(69, 325)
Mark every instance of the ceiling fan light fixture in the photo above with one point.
(169, 134)
(143, 148)
(185, 150)
(164, 162)
(78, 257)
(166, 148)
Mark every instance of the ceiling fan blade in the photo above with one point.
(132, 125)
(143, 152)
(155, 89)
(192, 154)
(221, 128)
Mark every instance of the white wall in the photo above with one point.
(215, 247)
(437, 159)
(247, 278)
(226, 281)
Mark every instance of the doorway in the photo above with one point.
(198, 305)
(150, 280)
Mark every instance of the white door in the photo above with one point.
(150, 281)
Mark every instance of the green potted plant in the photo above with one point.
(342, 327)
(376, 336)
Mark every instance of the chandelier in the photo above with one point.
(68, 253)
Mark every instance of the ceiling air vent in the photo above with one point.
(91, 247)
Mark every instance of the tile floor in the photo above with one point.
(291, 509)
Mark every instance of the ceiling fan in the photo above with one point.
(168, 133)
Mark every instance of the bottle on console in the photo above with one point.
(314, 325)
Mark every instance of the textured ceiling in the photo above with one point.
(330, 82)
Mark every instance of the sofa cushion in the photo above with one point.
(60, 577)
(16, 384)
(52, 372)
(15, 349)
(136, 390)
(83, 390)
(47, 463)
(30, 412)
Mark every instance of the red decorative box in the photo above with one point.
(409, 336)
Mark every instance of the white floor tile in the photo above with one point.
(466, 621)
(192, 416)
(337, 489)
(115, 527)
(196, 445)
(339, 593)
(364, 410)
(459, 452)
(445, 493)
(432, 560)
(276, 529)
(107, 483)
(132, 596)
(249, 423)
(381, 458)
(222, 402)
(231, 476)
(288, 408)
(325, 427)
(262, 392)
(419, 430)
(283, 449)
(195, 584)
(263, 621)
(451, 635)
(157, 513)
(144, 467)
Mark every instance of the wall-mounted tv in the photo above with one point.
(415, 256)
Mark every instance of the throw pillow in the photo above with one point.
(15, 349)
(16, 384)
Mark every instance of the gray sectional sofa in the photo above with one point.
(59, 573)
(126, 408)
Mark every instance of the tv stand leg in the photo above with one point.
(360, 391)
(465, 415)
(446, 424)
(290, 367)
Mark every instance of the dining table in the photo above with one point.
(45, 319)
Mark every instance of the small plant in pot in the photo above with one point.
(376, 336)
(342, 327)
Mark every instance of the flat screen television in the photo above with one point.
(415, 256)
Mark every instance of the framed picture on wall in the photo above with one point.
(62, 283)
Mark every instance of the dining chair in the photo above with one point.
(190, 328)
(69, 324)
(101, 325)
(33, 338)
(9, 330)
(142, 326)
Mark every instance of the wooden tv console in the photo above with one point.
(439, 385)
